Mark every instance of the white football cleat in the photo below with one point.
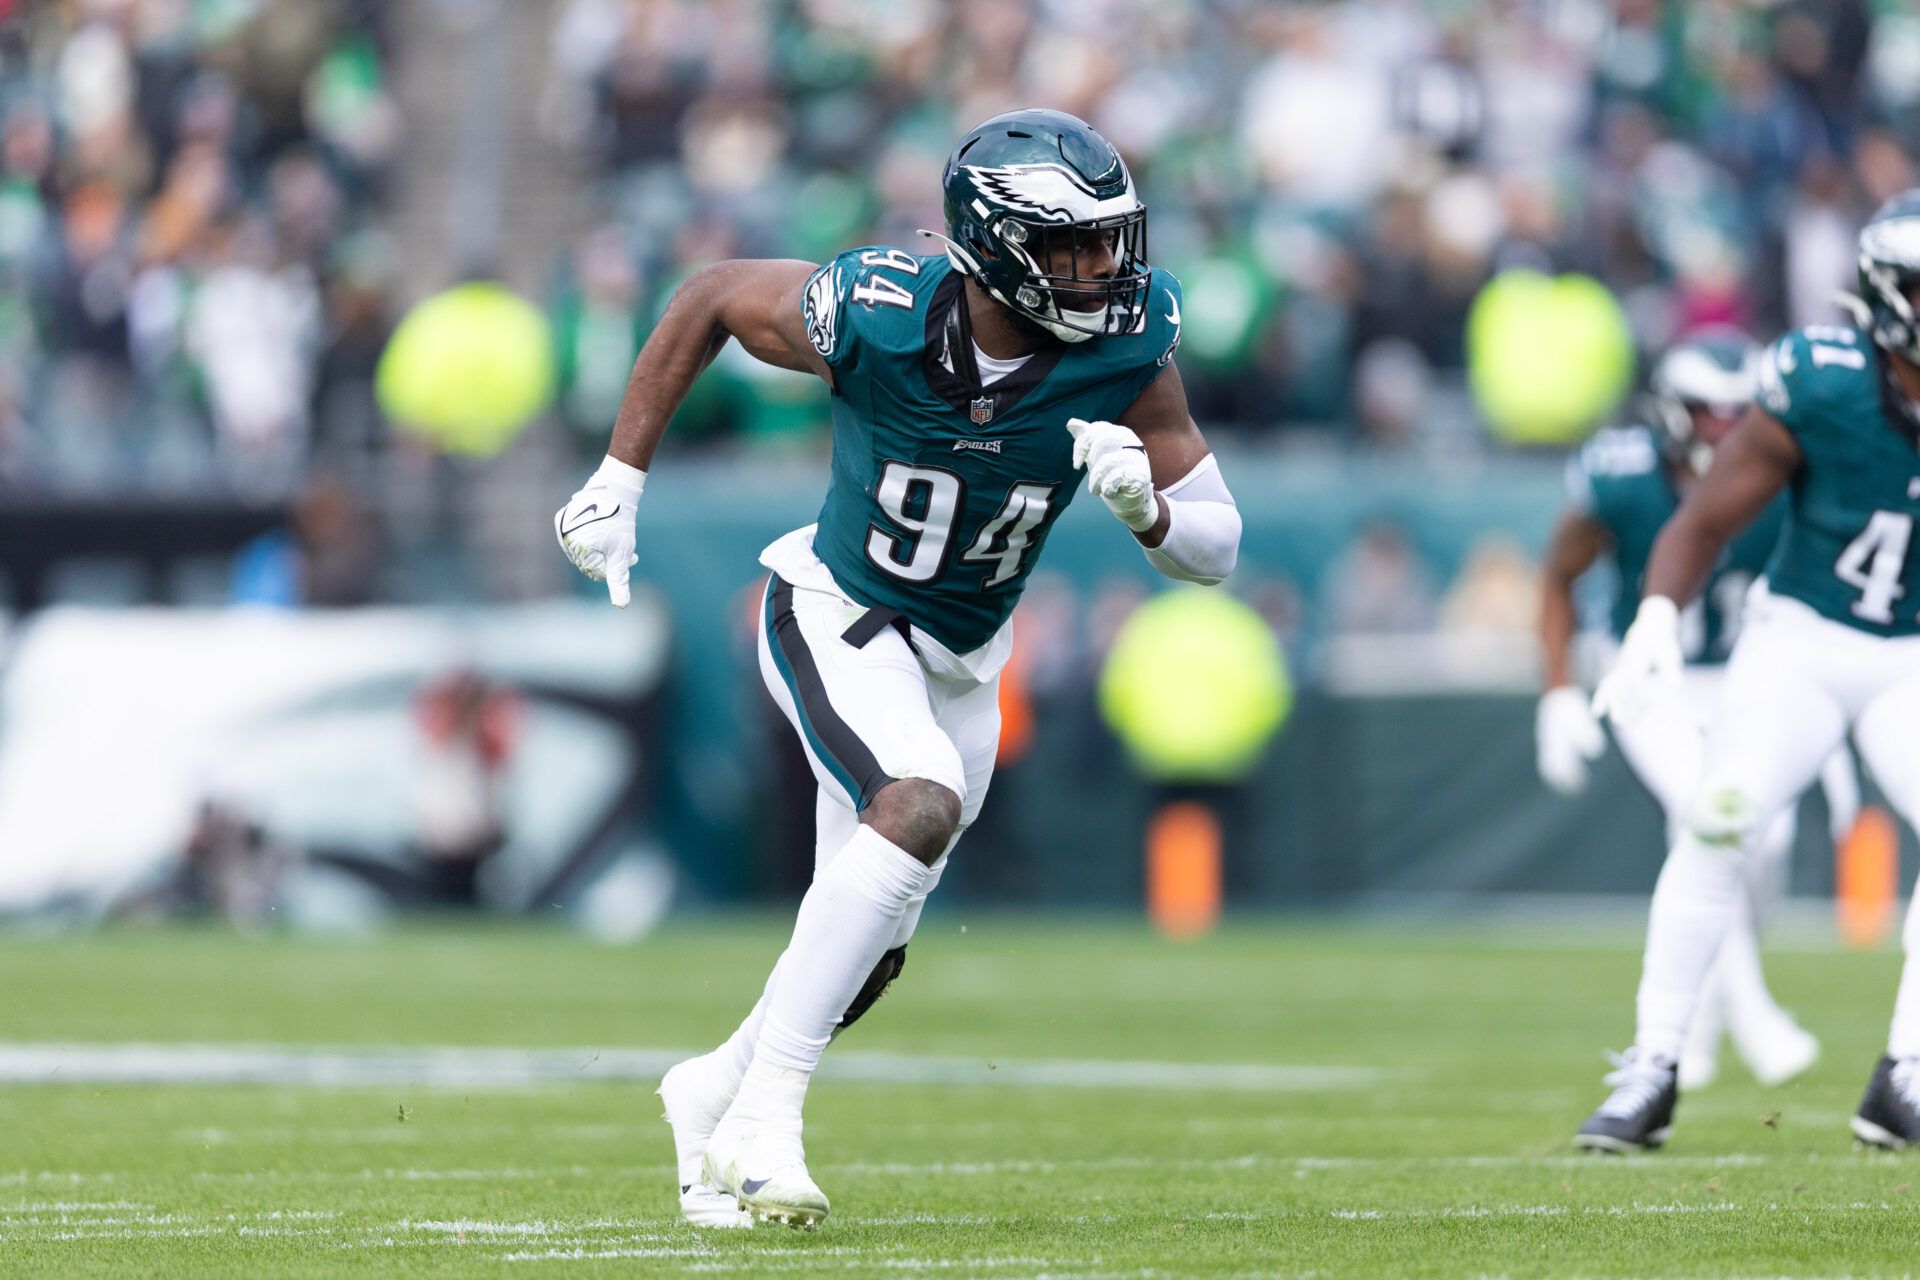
(696, 1097)
(1774, 1046)
(755, 1153)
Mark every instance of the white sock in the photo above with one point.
(847, 921)
(1904, 1040)
(734, 1057)
(1693, 905)
(910, 918)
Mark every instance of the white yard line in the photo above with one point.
(445, 1066)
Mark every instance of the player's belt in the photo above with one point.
(873, 622)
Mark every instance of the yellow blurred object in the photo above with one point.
(1866, 880)
(468, 369)
(1547, 356)
(1195, 686)
(1183, 871)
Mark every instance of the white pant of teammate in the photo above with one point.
(1795, 685)
(1666, 749)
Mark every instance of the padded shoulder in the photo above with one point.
(1807, 370)
(873, 294)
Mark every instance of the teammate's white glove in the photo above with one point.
(1648, 667)
(1117, 470)
(1566, 739)
(595, 528)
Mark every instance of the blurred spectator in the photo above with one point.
(1496, 593)
(1380, 585)
(329, 557)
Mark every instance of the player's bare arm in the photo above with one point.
(1749, 470)
(1578, 542)
(755, 302)
(758, 303)
(1172, 440)
(1566, 736)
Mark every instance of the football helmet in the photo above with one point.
(1715, 370)
(1042, 214)
(1889, 269)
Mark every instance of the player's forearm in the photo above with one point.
(1558, 621)
(1683, 555)
(1196, 535)
(687, 339)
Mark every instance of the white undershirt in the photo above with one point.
(991, 370)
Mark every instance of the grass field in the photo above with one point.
(1449, 1067)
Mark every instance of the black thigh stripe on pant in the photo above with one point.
(830, 732)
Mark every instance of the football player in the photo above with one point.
(1623, 485)
(1832, 644)
(969, 388)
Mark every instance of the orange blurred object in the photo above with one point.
(1016, 707)
(1867, 879)
(1183, 870)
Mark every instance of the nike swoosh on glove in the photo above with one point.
(595, 528)
(1117, 470)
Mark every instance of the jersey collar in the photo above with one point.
(950, 334)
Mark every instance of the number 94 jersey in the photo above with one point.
(943, 489)
(1847, 548)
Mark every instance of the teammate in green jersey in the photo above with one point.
(1832, 645)
(970, 387)
(1623, 486)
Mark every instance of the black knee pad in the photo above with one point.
(874, 987)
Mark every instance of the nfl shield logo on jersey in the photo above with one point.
(982, 410)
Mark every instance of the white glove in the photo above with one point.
(1566, 738)
(1117, 470)
(595, 528)
(1648, 667)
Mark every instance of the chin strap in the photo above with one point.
(969, 266)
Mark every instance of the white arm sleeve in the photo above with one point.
(1203, 528)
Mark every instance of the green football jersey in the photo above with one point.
(1622, 479)
(943, 490)
(1845, 551)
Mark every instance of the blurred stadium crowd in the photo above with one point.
(1333, 182)
(197, 286)
(191, 266)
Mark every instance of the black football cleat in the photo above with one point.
(1638, 1114)
(1889, 1115)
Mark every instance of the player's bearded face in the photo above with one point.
(1087, 255)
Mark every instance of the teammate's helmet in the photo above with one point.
(1715, 371)
(1024, 193)
(1889, 270)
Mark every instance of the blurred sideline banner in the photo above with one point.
(118, 725)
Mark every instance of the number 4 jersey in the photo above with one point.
(1846, 549)
(943, 489)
